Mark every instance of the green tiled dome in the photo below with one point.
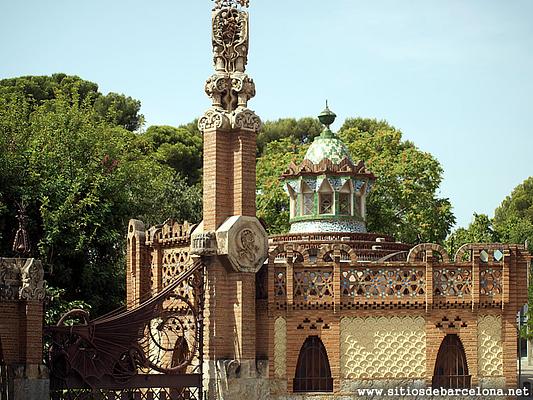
(327, 146)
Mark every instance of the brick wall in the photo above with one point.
(21, 331)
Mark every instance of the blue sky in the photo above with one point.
(455, 76)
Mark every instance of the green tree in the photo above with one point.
(480, 230)
(299, 131)
(82, 178)
(513, 219)
(176, 147)
(404, 200)
(272, 201)
(115, 108)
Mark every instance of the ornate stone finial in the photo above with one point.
(230, 39)
(21, 243)
(219, 4)
(327, 117)
(230, 87)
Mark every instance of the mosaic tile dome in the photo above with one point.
(327, 146)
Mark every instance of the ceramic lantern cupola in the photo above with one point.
(327, 190)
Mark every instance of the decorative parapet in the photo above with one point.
(170, 232)
(307, 277)
(21, 279)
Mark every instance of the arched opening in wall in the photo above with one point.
(313, 373)
(451, 369)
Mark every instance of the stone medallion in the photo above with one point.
(244, 241)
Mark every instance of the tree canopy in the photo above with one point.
(82, 176)
(179, 148)
(298, 131)
(115, 108)
(512, 222)
(404, 201)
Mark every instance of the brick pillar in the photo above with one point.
(218, 178)
(138, 273)
(244, 144)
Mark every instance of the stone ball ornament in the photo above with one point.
(244, 241)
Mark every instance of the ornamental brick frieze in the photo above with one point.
(169, 232)
(307, 277)
(21, 279)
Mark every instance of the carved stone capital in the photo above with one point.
(245, 119)
(10, 279)
(229, 90)
(214, 118)
(32, 280)
(244, 241)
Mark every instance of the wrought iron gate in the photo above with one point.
(153, 351)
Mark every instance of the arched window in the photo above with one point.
(313, 373)
(345, 199)
(451, 369)
(325, 198)
(308, 200)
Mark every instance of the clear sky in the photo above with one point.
(455, 76)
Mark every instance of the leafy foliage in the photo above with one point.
(513, 219)
(116, 109)
(480, 230)
(56, 305)
(82, 178)
(404, 200)
(272, 201)
(299, 131)
(179, 148)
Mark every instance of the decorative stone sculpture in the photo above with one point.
(244, 241)
(21, 278)
(230, 87)
(32, 280)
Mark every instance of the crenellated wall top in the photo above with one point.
(170, 233)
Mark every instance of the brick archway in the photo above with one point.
(451, 368)
(313, 372)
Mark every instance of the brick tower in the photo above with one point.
(230, 238)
